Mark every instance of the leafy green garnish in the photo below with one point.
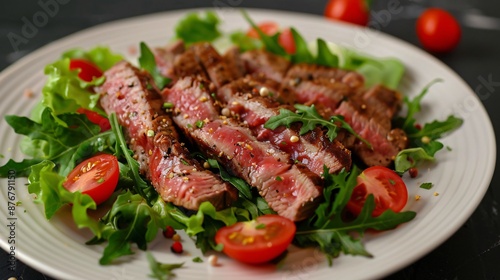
(47, 187)
(310, 119)
(101, 56)
(65, 145)
(302, 53)
(425, 140)
(194, 28)
(147, 62)
(161, 271)
(270, 43)
(327, 229)
(426, 186)
(325, 56)
(197, 260)
(238, 183)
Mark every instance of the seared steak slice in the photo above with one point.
(291, 190)
(313, 149)
(214, 64)
(271, 65)
(385, 144)
(250, 84)
(234, 62)
(310, 72)
(165, 58)
(325, 95)
(187, 64)
(162, 158)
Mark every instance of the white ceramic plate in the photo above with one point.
(460, 176)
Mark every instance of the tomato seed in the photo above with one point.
(169, 232)
(413, 172)
(176, 247)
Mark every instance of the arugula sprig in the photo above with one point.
(161, 271)
(423, 142)
(327, 229)
(310, 119)
(147, 62)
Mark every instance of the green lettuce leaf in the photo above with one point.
(46, 184)
(65, 145)
(194, 28)
(101, 56)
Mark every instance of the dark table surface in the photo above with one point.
(473, 252)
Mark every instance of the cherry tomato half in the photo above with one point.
(270, 28)
(96, 118)
(438, 31)
(257, 241)
(387, 187)
(96, 176)
(87, 69)
(353, 11)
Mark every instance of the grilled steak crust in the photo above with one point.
(270, 65)
(214, 64)
(291, 190)
(165, 58)
(162, 158)
(250, 84)
(313, 149)
(310, 72)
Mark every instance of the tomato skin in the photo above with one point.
(246, 242)
(438, 31)
(96, 176)
(270, 28)
(87, 69)
(96, 118)
(387, 187)
(352, 11)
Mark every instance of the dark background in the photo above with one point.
(473, 252)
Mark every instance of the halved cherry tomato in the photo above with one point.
(257, 241)
(387, 187)
(438, 30)
(353, 11)
(96, 176)
(96, 118)
(270, 28)
(87, 69)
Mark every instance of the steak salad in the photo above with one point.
(246, 149)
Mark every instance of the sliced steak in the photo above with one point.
(385, 143)
(214, 64)
(291, 190)
(272, 66)
(187, 64)
(310, 72)
(165, 58)
(162, 158)
(312, 149)
(234, 61)
(250, 84)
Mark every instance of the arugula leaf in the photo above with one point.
(426, 186)
(409, 158)
(327, 229)
(310, 119)
(147, 62)
(414, 106)
(46, 184)
(244, 42)
(325, 56)
(270, 43)
(302, 53)
(238, 183)
(161, 271)
(193, 28)
(66, 145)
(424, 140)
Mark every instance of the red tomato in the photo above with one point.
(94, 117)
(286, 41)
(96, 176)
(270, 28)
(438, 31)
(257, 241)
(387, 187)
(87, 69)
(353, 11)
